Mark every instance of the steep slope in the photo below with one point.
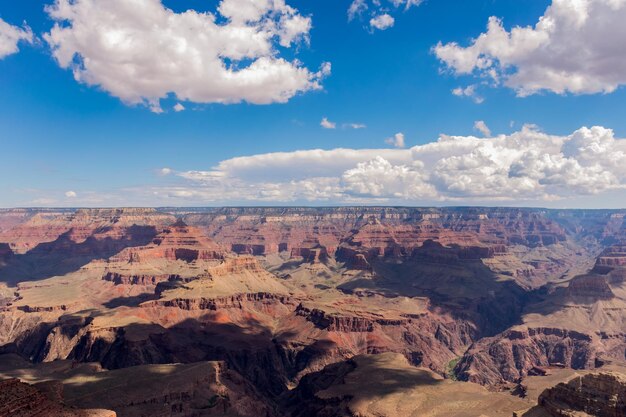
(387, 386)
(580, 324)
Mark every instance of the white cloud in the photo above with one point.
(71, 194)
(379, 178)
(382, 22)
(527, 165)
(142, 52)
(378, 12)
(178, 107)
(469, 91)
(356, 8)
(10, 36)
(354, 125)
(397, 141)
(482, 127)
(327, 124)
(575, 47)
(165, 171)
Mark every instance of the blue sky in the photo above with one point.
(67, 143)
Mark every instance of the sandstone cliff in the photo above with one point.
(602, 394)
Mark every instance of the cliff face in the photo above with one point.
(510, 356)
(177, 242)
(602, 394)
(48, 226)
(593, 286)
(18, 399)
(270, 227)
(611, 258)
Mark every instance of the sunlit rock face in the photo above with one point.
(602, 394)
(281, 307)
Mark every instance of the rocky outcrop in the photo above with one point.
(237, 301)
(138, 279)
(185, 390)
(612, 257)
(177, 242)
(18, 399)
(601, 394)
(236, 265)
(592, 286)
(310, 255)
(345, 323)
(514, 353)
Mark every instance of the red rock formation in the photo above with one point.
(611, 258)
(602, 394)
(138, 279)
(594, 286)
(175, 242)
(209, 304)
(236, 301)
(512, 354)
(310, 255)
(383, 230)
(78, 226)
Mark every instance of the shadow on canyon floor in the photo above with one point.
(131, 301)
(64, 256)
(254, 350)
(465, 289)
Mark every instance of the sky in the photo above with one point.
(301, 102)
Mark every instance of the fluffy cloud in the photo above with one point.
(575, 47)
(71, 194)
(379, 178)
(528, 165)
(469, 91)
(142, 52)
(10, 36)
(482, 127)
(382, 22)
(397, 141)
(327, 124)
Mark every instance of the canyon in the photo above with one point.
(296, 311)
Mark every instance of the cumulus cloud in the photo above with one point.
(71, 194)
(327, 124)
(527, 165)
(482, 127)
(379, 178)
(382, 22)
(397, 141)
(575, 47)
(142, 52)
(178, 107)
(11, 36)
